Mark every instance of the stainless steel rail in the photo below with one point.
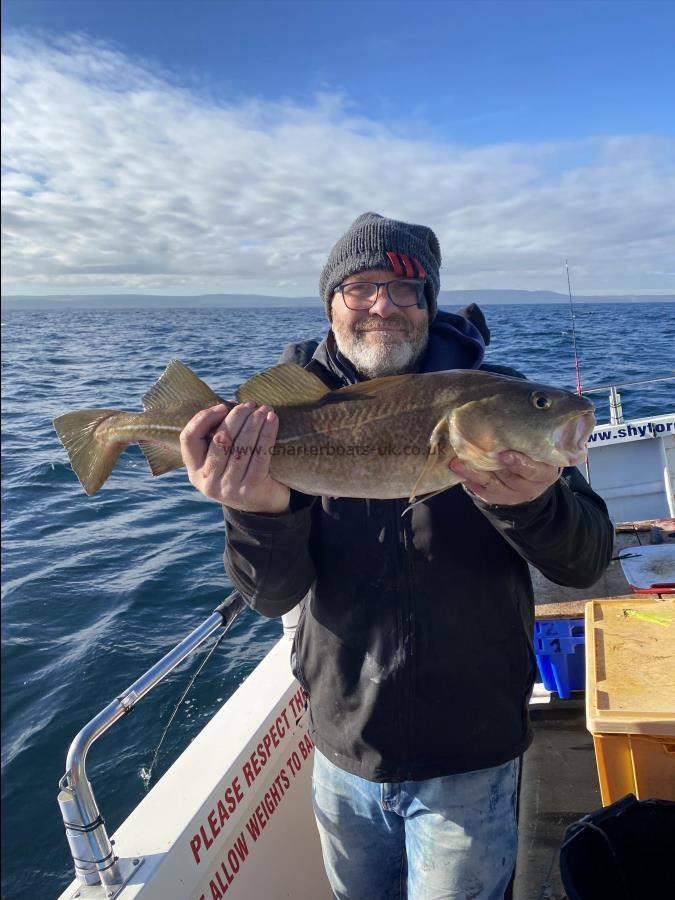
(90, 845)
(607, 387)
(615, 407)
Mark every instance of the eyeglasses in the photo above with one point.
(359, 295)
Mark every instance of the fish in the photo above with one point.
(386, 438)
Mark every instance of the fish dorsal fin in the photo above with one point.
(176, 385)
(287, 384)
(364, 390)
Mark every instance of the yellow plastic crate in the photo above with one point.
(630, 696)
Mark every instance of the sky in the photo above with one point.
(221, 146)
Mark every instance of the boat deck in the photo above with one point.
(559, 785)
(612, 583)
(559, 782)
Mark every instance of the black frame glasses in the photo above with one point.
(418, 300)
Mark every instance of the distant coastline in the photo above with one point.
(452, 299)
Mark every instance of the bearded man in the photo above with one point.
(415, 641)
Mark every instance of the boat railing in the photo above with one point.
(93, 856)
(615, 407)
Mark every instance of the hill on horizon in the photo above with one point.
(223, 301)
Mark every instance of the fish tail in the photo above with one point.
(92, 453)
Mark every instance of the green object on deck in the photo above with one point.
(648, 617)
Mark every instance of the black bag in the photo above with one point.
(625, 851)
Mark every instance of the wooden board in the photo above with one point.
(667, 525)
(630, 666)
(574, 609)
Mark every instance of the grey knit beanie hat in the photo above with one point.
(373, 242)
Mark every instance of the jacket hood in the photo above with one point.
(454, 343)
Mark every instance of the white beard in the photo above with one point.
(376, 358)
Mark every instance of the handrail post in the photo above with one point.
(90, 845)
(615, 408)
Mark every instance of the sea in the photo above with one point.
(96, 589)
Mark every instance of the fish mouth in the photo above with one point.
(570, 438)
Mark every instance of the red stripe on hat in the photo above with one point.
(395, 262)
(409, 271)
(421, 272)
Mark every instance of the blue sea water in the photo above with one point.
(96, 589)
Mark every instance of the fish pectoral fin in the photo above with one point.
(176, 385)
(161, 458)
(287, 384)
(426, 497)
(467, 450)
(440, 453)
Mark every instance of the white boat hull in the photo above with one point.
(632, 467)
(232, 816)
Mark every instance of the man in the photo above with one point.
(415, 643)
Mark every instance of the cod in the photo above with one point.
(386, 438)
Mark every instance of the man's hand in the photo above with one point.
(520, 479)
(226, 451)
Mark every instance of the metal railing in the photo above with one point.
(90, 846)
(615, 407)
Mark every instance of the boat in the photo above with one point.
(233, 817)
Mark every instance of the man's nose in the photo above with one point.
(383, 306)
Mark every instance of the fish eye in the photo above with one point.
(539, 400)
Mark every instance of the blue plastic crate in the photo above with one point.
(559, 648)
(559, 628)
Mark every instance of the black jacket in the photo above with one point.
(415, 644)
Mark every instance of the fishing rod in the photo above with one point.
(574, 330)
(146, 774)
(229, 609)
(576, 354)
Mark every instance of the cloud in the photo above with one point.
(119, 179)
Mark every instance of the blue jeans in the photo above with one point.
(450, 837)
